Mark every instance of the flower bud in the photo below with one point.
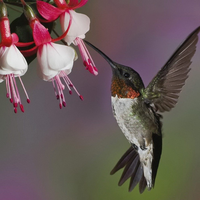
(29, 13)
(3, 9)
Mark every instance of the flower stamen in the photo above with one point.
(27, 97)
(86, 57)
(70, 84)
(13, 92)
(59, 88)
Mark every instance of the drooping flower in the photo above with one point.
(12, 62)
(80, 25)
(77, 23)
(55, 61)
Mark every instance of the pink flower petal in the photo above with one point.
(40, 33)
(48, 11)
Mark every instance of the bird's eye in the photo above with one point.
(126, 75)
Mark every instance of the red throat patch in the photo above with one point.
(120, 89)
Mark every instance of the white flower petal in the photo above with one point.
(53, 58)
(12, 61)
(79, 27)
(44, 70)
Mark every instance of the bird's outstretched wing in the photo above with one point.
(163, 91)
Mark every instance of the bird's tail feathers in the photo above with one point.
(140, 169)
(133, 169)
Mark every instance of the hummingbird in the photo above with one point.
(138, 109)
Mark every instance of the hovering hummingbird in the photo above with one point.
(137, 108)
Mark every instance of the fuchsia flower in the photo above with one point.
(55, 61)
(12, 63)
(78, 25)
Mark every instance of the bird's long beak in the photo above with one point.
(112, 64)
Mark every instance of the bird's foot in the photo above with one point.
(134, 146)
(143, 147)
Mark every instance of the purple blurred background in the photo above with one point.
(52, 154)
